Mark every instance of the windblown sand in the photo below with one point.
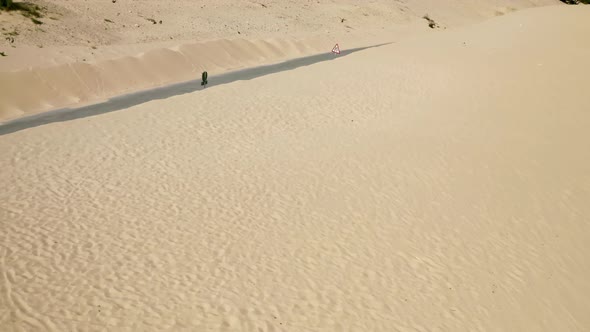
(84, 52)
(441, 183)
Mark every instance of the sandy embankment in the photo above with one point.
(436, 184)
(68, 84)
(86, 53)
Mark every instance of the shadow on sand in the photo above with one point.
(136, 98)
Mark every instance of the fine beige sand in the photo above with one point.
(440, 183)
(85, 52)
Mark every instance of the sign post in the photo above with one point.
(336, 49)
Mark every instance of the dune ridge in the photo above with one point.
(436, 184)
(76, 83)
(84, 53)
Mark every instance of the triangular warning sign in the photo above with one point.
(336, 49)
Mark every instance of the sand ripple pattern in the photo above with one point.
(436, 194)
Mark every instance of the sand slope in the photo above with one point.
(37, 89)
(84, 23)
(85, 53)
(437, 184)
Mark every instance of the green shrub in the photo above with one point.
(6, 4)
(27, 9)
(431, 23)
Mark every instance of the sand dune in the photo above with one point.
(437, 184)
(82, 23)
(74, 83)
(84, 54)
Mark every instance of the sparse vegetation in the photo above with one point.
(27, 9)
(12, 33)
(6, 4)
(431, 23)
(576, 2)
